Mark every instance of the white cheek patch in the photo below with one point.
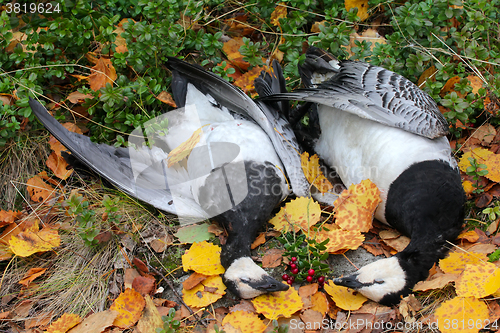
(388, 270)
(245, 269)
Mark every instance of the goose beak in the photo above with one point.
(268, 284)
(349, 282)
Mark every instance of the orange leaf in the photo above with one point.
(455, 262)
(278, 304)
(301, 213)
(77, 97)
(356, 206)
(478, 280)
(166, 98)
(278, 13)
(449, 86)
(39, 190)
(96, 322)
(340, 239)
(313, 173)
(320, 303)
(461, 314)
(437, 282)
(58, 165)
(203, 258)
(129, 306)
(144, 285)
(232, 50)
(428, 74)
(470, 235)
(31, 275)
(205, 293)
(245, 321)
(362, 6)
(272, 258)
(475, 82)
(493, 165)
(193, 280)
(343, 297)
(184, 149)
(102, 73)
(28, 242)
(64, 323)
(245, 82)
(261, 239)
(9, 216)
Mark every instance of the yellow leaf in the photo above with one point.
(313, 173)
(245, 321)
(468, 188)
(278, 304)
(475, 82)
(356, 206)
(461, 314)
(471, 235)
(129, 306)
(64, 323)
(301, 213)
(343, 297)
(493, 165)
(278, 13)
(480, 154)
(362, 6)
(478, 280)
(340, 239)
(205, 293)
(455, 262)
(151, 318)
(102, 73)
(203, 258)
(28, 242)
(184, 149)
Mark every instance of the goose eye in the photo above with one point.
(379, 281)
(245, 280)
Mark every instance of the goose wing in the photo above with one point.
(269, 119)
(370, 92)
(114, 164)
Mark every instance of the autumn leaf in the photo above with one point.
(428, 74)
(461, 314)
(362, 6)
(245, 321)
(64, 323)
(77, 97)
(313, 173)
(205, 293)
(320, 303)
(479, 280)
(129, 306)
(339, 239)
(38, 189)
(9, 216)
(166, 98)
(272, 258)
(193, 280)
(343, 297)
(31, 275)
(480, 154)
(437, 282)
(151, 318)
(232, 50)
(493, 165)
(96, 322)
(184, 149)
(468, 187)
(245, 81)
(102, 73)
(470, 235)
(193, 233)
(455, 262)
(278, 304)
(278, 13)
(301, 213)
(28, 242)
(203, 258)
(449, 86)
(58, 165)
(356, 206)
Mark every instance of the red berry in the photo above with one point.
(289, 281)
(293, 266)
(285, 277)
(292, 278)
(321, 285)
(309, 278)
(311, 272)
(294, 259)
(321, 280)
(295, 271)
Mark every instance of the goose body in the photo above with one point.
(375, 124)
(234, 173)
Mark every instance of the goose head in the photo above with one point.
(246, 279)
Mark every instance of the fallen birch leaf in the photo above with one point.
(203, 258)
(64, 323)
(313, 173)
(129, 306)
(461, 314)
(278, 304)
(245, 321)
(343, 297)
(205, 293)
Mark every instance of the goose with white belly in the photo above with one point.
(234, 174)
(378, 125)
